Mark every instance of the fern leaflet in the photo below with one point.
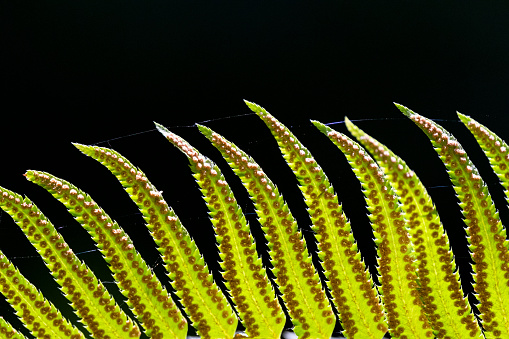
(8, 331)
(487, 235)
(447, 309)
(360, 310)
(146, 296)
(212, 315)
(306, 301)
(494, 147)
(396, 260)
(245, 277)
(38, 314)
(87, 294)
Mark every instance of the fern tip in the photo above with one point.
(81, 147)
(404, 110)
(322, 127)
(349, 124)
(254, 107)
(464, 118)
(204, 130)
(163, 130)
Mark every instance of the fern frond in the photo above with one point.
(244, 274)
(396, 260)
(206, 305)
(494, 147)
(146, 296)
(6, 331)
(41, 317)
(446, 307)
(296, 276)
(360, 310)
(486, 234)
(88, 296)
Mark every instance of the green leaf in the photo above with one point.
(486, 234)
(40, 316)
(244, 275)
(8, 332)
(396, 260)
(354, 295)
(88, 296)
(206, 305)
(445, 305)
(494, 147)
(147, 298)
(296, 276)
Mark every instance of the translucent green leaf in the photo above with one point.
(40, 316)
(147, 298)
(445, 305)
(7, 331)
(350, 284)
(396, 259)
(486, 234)
(88, 296)
(494, 147)
(244, 275)
(296, 276)
(206, 305)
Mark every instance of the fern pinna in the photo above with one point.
(418, 296)
(146, 297)
(344, 269)
(296, 276)
(251, 289)
(87, 295)
(444, 304)
(207, 307)
(486, 233)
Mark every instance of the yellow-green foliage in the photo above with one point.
(251, 290)
(439, 287)
(419, 295)
(347, 279)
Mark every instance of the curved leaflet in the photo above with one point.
(487, 235)
(396, 260)
(244, 275)
(447, 309)
(295, 274)
(147, 298)
(354, 295)
(210, 312)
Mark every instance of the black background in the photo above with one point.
(100, 72)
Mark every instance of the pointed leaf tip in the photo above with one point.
(254, 107)
(404, 110)
(207, 132)
(163, 130)
(321, 127)
(78, 145)
(348, 122)
(350, 126)
(464, 118)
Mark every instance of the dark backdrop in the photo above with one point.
(100, 72)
